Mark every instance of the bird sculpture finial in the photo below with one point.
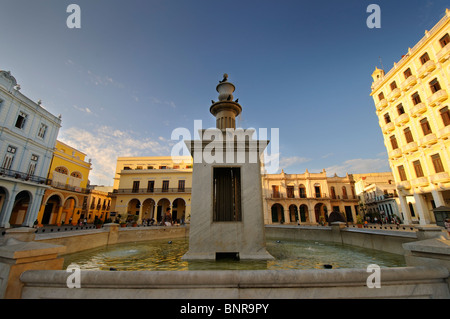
(225, 78)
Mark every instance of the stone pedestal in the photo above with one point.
(17, 257)
(25, 234)
(227, 218)
(430, 231)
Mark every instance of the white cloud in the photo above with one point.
(83, 109)
(359, 166)
(293, 160)
(105, 144)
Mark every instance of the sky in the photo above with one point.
(137, 70)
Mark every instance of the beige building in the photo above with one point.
(413, 108)
(146, 186)
(307, 198)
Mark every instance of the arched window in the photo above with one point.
(76, 175)
(333, 192)
(344, 192)
(62, 170)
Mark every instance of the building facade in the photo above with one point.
(98, 204)
(68, 177)
(412, 104)
(28, 135)
(146, 186)
(307, 198)
(378, 196)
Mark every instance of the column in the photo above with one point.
(58, 216)
(422, 209)
(312, 214)
(287, 217)
(405, 209)
(139, 221)
(4, 221)
(438, 198)
(33, 208)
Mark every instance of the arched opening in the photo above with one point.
(51, 210)
(148, 209)
(133, 208)
(304, 213)
(277, 213)
(161, 209)
(21, 204)
(293, 213)
(178, 210)
(320, 211)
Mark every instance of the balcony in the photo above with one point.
(420, 182)
(22, 176)
(437, 98)
(388, 128)
(395, 153)
(444, 133)
(404, 185)
(152, 191)
(409, 83)
(67, 187)
(444, 54)
(425, 69)
(443, 177)
(381, 105)
(418, 109)
(410, 148)
(428, 140)
(395, 94)
(402, 119)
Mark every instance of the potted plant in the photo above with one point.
(98, 222)
(359, 221)
(135, 219)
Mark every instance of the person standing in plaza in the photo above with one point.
(168, 218)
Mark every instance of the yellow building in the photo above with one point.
(146, 186)
(98, 204)
(307, 198)
(413, 108)
(68, 178)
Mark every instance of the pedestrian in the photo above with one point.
(168, 217)
(447, 225)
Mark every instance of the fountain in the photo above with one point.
(227, 210)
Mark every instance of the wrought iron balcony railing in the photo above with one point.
(151, 191)
(22, 176)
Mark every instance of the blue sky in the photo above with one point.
(138, 69)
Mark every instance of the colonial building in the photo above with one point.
(98, 204)
(65, 201)
(28, 135)
(146, 186)
(308, 198)
(412, 104)
(378, 196)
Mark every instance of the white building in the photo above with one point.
(27, 138)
